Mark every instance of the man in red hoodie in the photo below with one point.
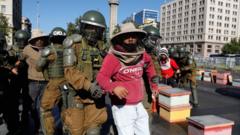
(121, 75)
(168, 67)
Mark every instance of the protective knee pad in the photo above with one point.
(47, 122)
(93, 131)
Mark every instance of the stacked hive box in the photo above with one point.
(236, 82)
(222, 78)
(199, 74)
(174, 105)
(209, 125)
(207, 76)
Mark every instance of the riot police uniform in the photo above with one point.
(59, 87)
(5, 75)
(17, 118)
(88, 50)
(188, 67)
(151, 42)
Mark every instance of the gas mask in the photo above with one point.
(21, 44)
(150, 42)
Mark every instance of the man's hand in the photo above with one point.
(155, 79)
(14, 71)
(120, 92)
(155, 93)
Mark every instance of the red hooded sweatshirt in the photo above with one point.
(113, 73)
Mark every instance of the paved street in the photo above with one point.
(210, 103)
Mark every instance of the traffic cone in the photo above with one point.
(154, 104)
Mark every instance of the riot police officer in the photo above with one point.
(5, 73)
(151, 43)
(188, 67)
(88, 51)
(18, 107)
(152, 39)
(60, 83)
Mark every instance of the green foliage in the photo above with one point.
(4, 26)
(232, 48)
(73, 27)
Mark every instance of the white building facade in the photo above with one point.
(12, 9)
(203, 25)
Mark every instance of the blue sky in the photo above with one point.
(59, 12)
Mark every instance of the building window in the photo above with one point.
(226, 25)
(3, 8)
(235, 6)
(227, 11)
(218, 38)
(234, 12)
(220, 3)
(233, 32)
(226, 32)
(225, 38)
(194, 11)
(234, 19)
(227, 4)
(226, 18)
(219, 10)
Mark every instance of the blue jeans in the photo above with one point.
(36, 89)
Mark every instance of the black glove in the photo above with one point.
(155, 79)
(96, 91)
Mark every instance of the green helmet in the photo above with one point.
(182, 52)
(95, 18)
(92, 26)
(21, 38)
(152, 39)
(171, 50)
(152, 31)
(57, 35)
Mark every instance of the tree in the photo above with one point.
(4, 26)
(232, 48)
(73, 27)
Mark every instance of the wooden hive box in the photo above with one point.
(207, 76)
(222, 78)
(236, 82)
(209, 125)
(175, 114)
(174, 97)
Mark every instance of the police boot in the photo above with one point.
(194, 97)
(93, 131)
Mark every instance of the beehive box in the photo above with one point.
(207, 76)
(209, 125)
(175, 114)
(236, 82)
(174, 97)
(163, 87)
(222, 78)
